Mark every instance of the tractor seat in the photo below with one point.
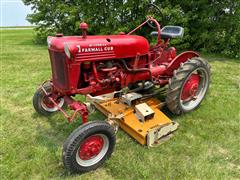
(169, 32)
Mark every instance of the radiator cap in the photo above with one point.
(59, 35)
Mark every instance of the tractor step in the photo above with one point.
(143, 121)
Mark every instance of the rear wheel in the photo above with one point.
(188, 86)
(42, 103)
(88, 146)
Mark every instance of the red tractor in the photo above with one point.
(102, 64)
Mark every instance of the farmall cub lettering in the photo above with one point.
(95, 48)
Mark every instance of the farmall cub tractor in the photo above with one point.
(101, 67)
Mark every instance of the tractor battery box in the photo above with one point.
(144, 112)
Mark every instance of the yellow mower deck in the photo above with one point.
(148, 132)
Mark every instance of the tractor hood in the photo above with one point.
(100, 47)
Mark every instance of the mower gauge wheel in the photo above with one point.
(42, 103)
(188, 86)
(88, 146)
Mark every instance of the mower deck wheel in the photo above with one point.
(88, 147)
(41, 102)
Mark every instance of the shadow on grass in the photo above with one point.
(59, 126)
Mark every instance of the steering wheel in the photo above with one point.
(155, 12)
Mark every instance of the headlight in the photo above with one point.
(70, 50)
(49, 40)
(67, 50)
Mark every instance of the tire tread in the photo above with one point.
(177, 81)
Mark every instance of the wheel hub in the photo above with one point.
(91, 147)
(190, 88)
(47, 102)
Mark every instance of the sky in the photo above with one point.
(13, 13)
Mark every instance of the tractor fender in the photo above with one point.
(181, 58)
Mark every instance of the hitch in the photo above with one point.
(77, 107)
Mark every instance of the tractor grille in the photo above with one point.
(59, 69)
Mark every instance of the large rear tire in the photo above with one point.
(188, 86)
(88, 147)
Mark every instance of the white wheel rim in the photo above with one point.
(203, 86)
(97, 158)
(53, 109)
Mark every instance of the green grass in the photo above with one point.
(206, 145)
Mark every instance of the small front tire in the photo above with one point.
(41, 102)
(88, 147)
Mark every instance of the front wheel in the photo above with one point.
(188, 86)
(88, 146)
(42, 103)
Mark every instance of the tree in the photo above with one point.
(104, 16)
(214, 25)
(210, 25)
